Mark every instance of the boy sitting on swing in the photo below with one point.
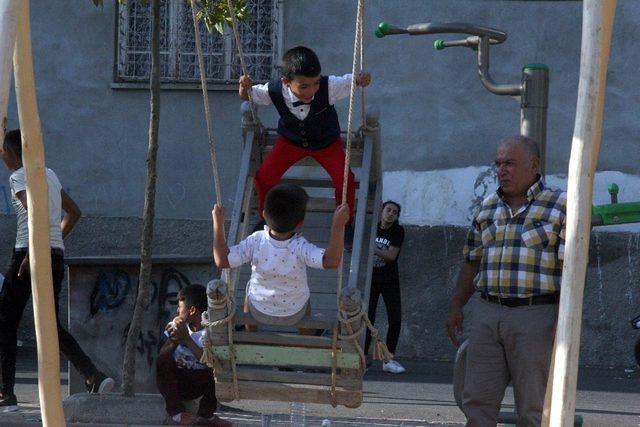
(277, 292)
(308, 124)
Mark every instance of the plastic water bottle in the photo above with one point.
(298, 418)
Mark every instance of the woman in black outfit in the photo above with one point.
(385, 281)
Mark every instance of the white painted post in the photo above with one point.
(8, 24)
(597, 26)
(39, 241)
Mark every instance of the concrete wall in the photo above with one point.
(439, 127)
(103, 296)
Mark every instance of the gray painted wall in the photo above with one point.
(432, 103)
(434, 114)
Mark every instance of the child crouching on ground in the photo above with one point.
(180, 375)
(277, 292)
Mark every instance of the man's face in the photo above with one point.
(390, 213)
(516, 168)
(304, 88)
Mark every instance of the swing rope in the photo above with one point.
(346, 317)
(243, 65)
(352, 94)
(226, 273)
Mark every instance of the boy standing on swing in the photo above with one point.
(308, 124)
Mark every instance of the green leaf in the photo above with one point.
(215, 13)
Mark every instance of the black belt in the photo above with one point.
(519, 302)
(54, 251)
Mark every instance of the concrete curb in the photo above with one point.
(114, 408)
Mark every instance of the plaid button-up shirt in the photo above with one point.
(520, 252)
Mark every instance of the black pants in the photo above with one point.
(389, 288)
(13, 299)
(177, 385)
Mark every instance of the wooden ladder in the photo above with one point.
(307, 360)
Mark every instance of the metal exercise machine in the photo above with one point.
(532, 91)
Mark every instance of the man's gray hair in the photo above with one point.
(528, 144)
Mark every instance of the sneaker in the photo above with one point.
(348, 237)
(100, 384)
(393, 367)
(9, 403)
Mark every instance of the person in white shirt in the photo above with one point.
(277, 292)
(17, 284)
(308, 124)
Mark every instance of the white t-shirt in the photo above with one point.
(17, 182)
(278, 284)
(339, 88)
(183, 355)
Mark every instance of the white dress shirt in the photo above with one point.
(339, 88)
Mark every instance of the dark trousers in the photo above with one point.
(285, 154)
(177, 385)
(389, 288)
(13, 299)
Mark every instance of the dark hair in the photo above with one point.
(300, 61)
(13, 142)
(285, 206)
(392, 202)
(194, 296)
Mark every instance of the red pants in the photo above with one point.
(285, 154)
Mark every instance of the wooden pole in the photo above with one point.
(597, 26)
(38, 211)
(8, 24)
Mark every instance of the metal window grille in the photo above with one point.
(178, 56)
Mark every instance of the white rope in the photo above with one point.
(357, 52)
(205, 97)
(245, 70)
(226, 274)
(346, 318)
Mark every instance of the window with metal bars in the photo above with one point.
(178, 56)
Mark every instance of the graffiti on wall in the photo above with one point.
(171, 282)
(164, 297)
(148, 345)
(109, 291)
(484, 184)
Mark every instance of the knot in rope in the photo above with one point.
(346, 317)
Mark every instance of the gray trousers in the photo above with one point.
(508, 344)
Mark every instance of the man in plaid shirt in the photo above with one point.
(513, 259)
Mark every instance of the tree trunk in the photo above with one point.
(39, 239)
(144, 280)
(8, 25)
(597, 24)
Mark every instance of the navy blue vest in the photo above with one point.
(319, 129)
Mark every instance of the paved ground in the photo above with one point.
(423, 396)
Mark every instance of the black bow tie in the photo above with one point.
(299, 103)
